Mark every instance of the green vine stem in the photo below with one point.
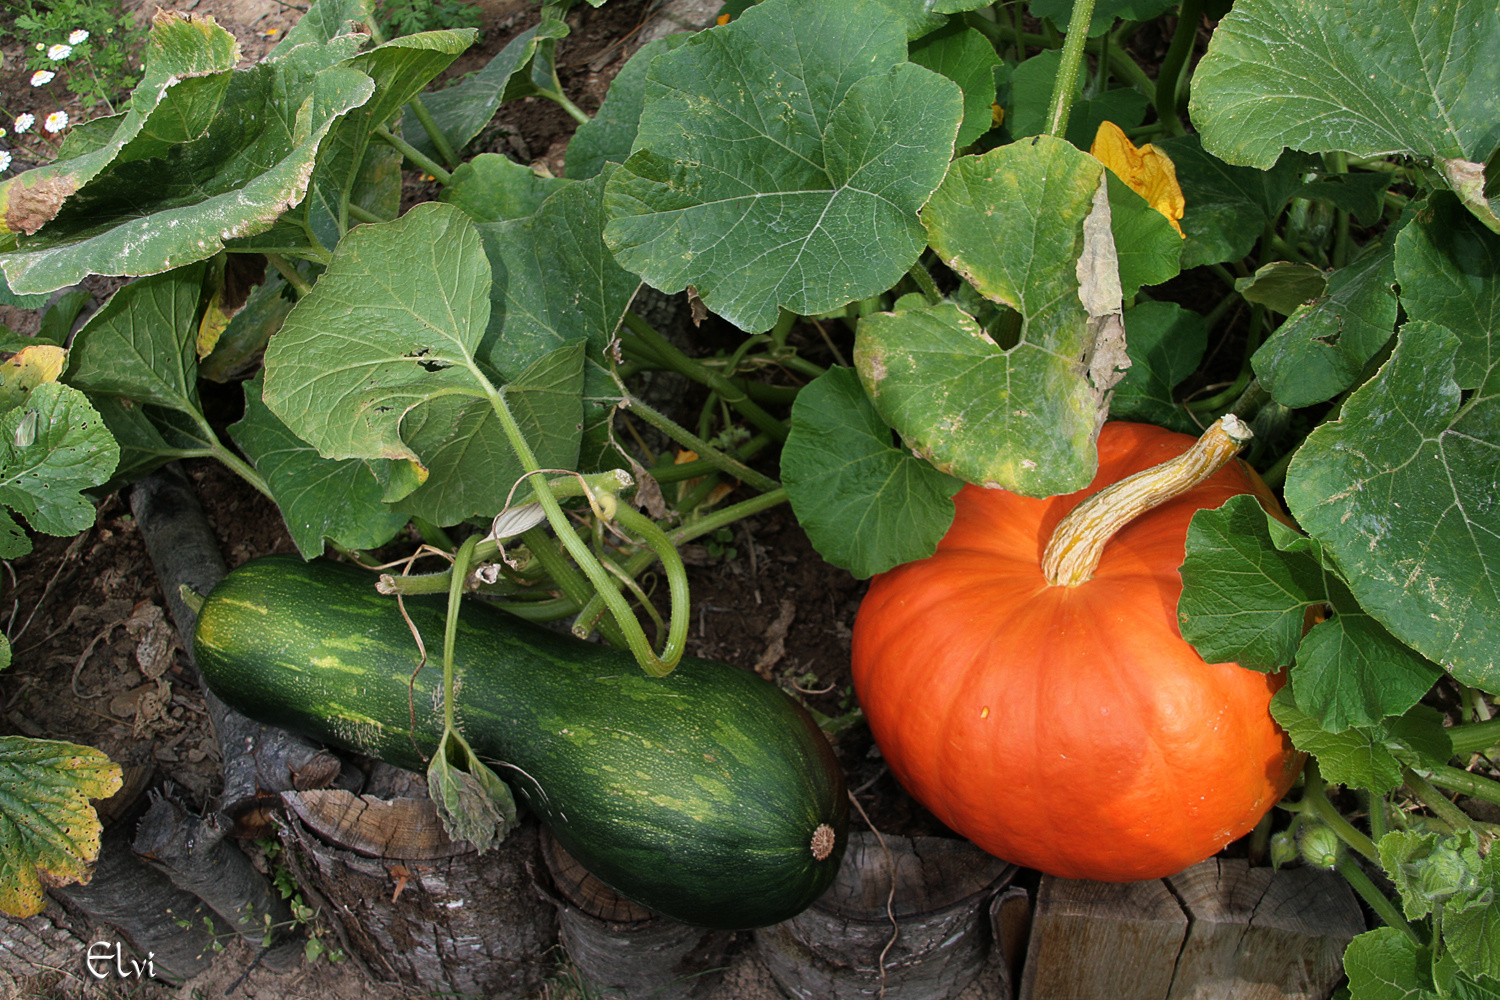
(630, 626)
(1475, 737)
(359, 214)
(288, 272)
(1378, 901)
(1436, 801)
(461, 562)
(1066, 83)
(1315, 794)
(1169, 77)
(439, 138)
(727, 464)
(676, 361)
(923, 278)
(414, 154)
(1456, 779)
(661, 546)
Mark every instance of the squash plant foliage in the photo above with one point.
(917, 172)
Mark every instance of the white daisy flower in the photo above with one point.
(78, 37)
(59, 52)
(42, 76)
(56, 121)
(23, 122)
(4, 160)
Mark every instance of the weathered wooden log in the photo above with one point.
(192, 852)
(902, 920)
(161, 923)
(258, 761)
(626, 951)
(426, 912)
(1221, 930)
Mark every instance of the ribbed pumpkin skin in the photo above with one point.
(1069, 729)
(696, 795)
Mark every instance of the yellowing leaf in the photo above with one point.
(1147, 170)
(215, 321)
(28, 369)
(49, 833)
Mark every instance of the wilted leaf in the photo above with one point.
(49, 834)
(1022, 417)
(29, 368)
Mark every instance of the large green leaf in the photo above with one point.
(1367, 77)
(781, 161)
(467, 454)
(555, 282)
(1060, 12)
(1401, 490)
(1022, 417)
(967, 58)
(1323, 347)
(1451, 876)
(381, 361)
(319, 497)
(142, 343)
(1386, 964)
(1148, 250)
(51, 449)
(1448, 267)
(1369, 757)
(49, 834)
(865, 504)
(609, 136)
(494, 188)
(143, 216)
(1248, 581)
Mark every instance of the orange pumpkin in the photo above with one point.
(1068, 727)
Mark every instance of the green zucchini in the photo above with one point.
(708, 795)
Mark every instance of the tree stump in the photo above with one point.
(902, 921)
(415, 907)
(624, 950)
(1220, 930)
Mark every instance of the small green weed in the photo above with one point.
(407, 17)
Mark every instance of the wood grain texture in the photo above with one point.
(1221, 930)
(905, 919)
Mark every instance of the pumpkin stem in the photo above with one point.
(1078, 540)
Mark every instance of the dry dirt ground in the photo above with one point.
(94, 666)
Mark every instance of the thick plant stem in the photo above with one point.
(359, 214)
(1066, 84)
(923, 278)
(1169, 78)
(289, 272)
(414, 154)
(675, 360)
(461, 562)
(1475, 737)
(659, 544)
(1078, 542)
(1436, 801)
(1456, 779)
(707, 452)
(439, 139)
(1315, 796)
(1379, 902)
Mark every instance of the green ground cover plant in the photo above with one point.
(920, 173)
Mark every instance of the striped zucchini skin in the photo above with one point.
(707, 796)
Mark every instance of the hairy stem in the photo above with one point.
(1066, 84)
